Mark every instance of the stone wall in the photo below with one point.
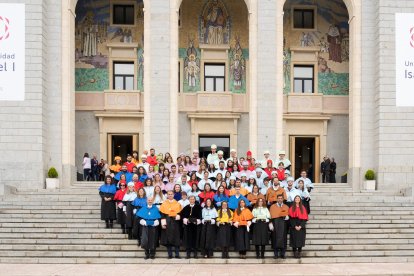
(86, 137)
(337, 143)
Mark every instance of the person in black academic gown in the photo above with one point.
(149, 221)
(298, 218)
(208, 229)
(191, 215)
(108, 209)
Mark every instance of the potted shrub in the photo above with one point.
(52, 180)
(369, 183)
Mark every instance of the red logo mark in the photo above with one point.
(4, 28)
(412, 37)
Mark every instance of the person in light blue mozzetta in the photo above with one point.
(137, 204)
(149, 220)
(108, 209)
(234, 200)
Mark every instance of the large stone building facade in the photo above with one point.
(311, 77)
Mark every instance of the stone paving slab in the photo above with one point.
(207, 270)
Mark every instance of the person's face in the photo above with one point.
(152, 152)
(213, 150)
(207, 188)
(134, 169)
(141, 192)
(174, 169)
(281, 156)
(224, 205)
(135, 155)
(260, 202)
(266, 155)
(242, 204)
(124, 168)
(297, 200)
(170, 195)
(238, 184)
(149, 201)
(141, 170)
(300, 184)
(108, 181)
(255, 189)
(183, 179)
(221, 189)
(129, 158)
(131, 188)
(220, 156)
(171, 178)
(195, 155)
(269, 165)
(237, 190)
(245, 167)
(275, 183)
(194, 161)
(243, 178)
(221, 165)
(206, 175)
(184, 196)
(235, 167)
(135, 178)
(192, 200)
(144, 159)
(148, 183)
(290, 184)
(259, 174)
(208, 203)
(280, 199)
(303, 174)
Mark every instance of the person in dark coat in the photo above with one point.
(279, 225)
(170, 225)
(118, 198)
(149, 220)
(128, 199)
(108, 209)
(208, 229)
(327, 169)
(333, 171)
(323, 169)
(298, 218)
(191, 216)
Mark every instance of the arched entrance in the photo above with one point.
(327, 47)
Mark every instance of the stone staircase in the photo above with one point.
(64, 226)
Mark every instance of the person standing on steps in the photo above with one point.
(108, 210)
(191, 216)
(86, 164)
(260, 222)
(170, 223)
(298, 218)
(129, 197)
(149, 222)
(333, 171)
(279, 225)
(208, 229)
(224, 220)
(118, 198)
(242, 220)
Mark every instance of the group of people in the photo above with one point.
(204, 204)
(328, 170)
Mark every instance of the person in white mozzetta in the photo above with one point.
(266, 158)
(220, 157)
(285, 161)
(308, 183)
(213, 156)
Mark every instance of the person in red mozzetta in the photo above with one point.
(152, 158)
(118, 198)
(269, 169)
(280, 171)
(298, 218)
(208, 193)
(129, 164)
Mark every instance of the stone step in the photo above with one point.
(163, 254)
(133, 247)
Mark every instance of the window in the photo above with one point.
(214, 77)
(303, 18)
(303, 79)
(123, 76)
(123, 15)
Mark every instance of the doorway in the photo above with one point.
(120, 145)
(222, 143)
(304, 152)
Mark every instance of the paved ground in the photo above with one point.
(205, 270)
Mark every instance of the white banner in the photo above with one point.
(12, 52)
(404, 60)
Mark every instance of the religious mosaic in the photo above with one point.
(215, 23)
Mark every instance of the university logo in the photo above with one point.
(412, 37)
(4, 28)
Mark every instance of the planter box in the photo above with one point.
(369, 185)
(52, 183)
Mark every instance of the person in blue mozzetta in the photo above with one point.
(124, 171)
(108, 209)
(234, 199)
(139, 202)
(149, 220)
